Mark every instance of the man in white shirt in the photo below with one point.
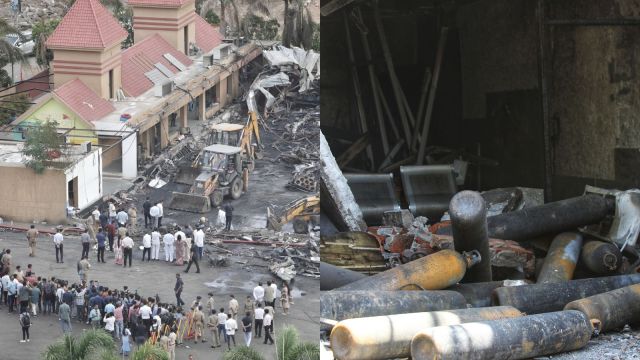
(198, 240)
(168, 240)
(268, 327)
(146, 244)
(96, 215)
(275, 293)
(57, 242)
(127, 248)
(160, 213)
(231, 325)
(258, 315)
(145, 314)
(222, 319)
(258, 293)
(112, 211)
(155, 244)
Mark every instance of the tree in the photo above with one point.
(97, 344)
(40, 33)
(211, 17)
(288, 347)
(299, 28)
(43, 141)
(9, 53)
(13, 106)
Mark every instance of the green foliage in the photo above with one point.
(315, 41)
(8, 53)
(212, 18)
(242, 353)
(9, 111)
(41, 140)
(97, 344)
(257, 28)
(288, 347)
(40, 33)
(87, 346)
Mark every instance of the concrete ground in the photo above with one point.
(149, 278)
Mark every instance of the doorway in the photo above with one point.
(72, 192)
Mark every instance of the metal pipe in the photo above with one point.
(477, 294)
(341, 305)
(554, 217)
(389, 337)
(433, 272)
(601, 257)
(468, 213)
(540, 298)
(561, 259)
(332, 276)
(611, 310)
(515, 338)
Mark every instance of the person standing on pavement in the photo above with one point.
(172, 343)
(127, 245)
(155, 244)
(222, 318)
(85, 239)
(146, 209)
(230, 326)
(123, 218)
(133, 217)
(6, 261)
(160, 213)
(249, 305)
(211, 303)
(269, 294)
(64, 315)
(233, 306)
(177, 289)
(246, 328)
(25, 323)
(111, 232)
(198, 320)
(83, 269)
(268, 327)
(194, 260)
(228, 215)
(212, 324)
(188, 232)
(112, 211)
(118, 314)
(284, 301)
(146, 246)
(168, 239)
(275, 294)
(104, 220)
(259, 318)
(32, 236)
(24, 295)
(198, 240)
(58, 240)
(35, 299)
(101, 238)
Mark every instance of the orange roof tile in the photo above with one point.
(158, 3)
(87, 25)
(141, 58)
(83, 101)
(207, 36)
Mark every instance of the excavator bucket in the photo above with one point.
(187, 175)
(189, 202)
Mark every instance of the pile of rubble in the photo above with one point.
(34, 11)
(492, 280)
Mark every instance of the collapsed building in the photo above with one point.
(473, 204)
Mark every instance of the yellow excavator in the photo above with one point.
(301, 212)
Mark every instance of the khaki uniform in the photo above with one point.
(32, 235)
(198, 321)
(85, 266)
(122, 232)
(133, 217)
(171, 347)
(212, 324)
(250, 307)
(233, 307)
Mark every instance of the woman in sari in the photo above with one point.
(179, 245)
(118, 252)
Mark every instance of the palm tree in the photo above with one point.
(288, 347)
(97, 344)
(9, 53)
(252, 6)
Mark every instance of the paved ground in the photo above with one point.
(149, 279)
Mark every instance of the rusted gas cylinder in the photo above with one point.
(332, 276)
(432, 272)
(601, 257)
(515, 338)
(468, 212)
(477, 294)
(541, 298)
(611, 310)
(562, 258)
(341, 305)
(389, 337)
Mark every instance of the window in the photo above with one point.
(186, 40)
(111, 90)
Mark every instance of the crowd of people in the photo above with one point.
(128, 316)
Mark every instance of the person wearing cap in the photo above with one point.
(196, 302)
(211, 303)
(198, 320)
(198, 240)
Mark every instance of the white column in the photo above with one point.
(130, 156)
